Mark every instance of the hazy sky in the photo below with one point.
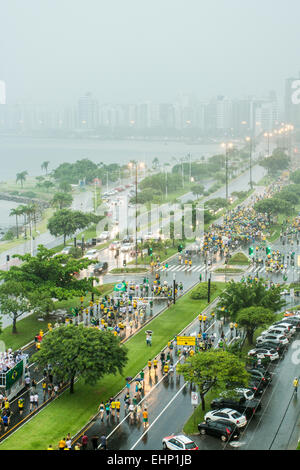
(53, 51)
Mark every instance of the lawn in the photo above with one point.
(69, 413)
(128, 270)
(191, 426)
(29, 326)
(239, 259)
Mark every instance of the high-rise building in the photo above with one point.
(88, 112)
(292, 101)
(2, 92)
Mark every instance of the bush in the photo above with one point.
(9, 235)
(75, 252)
(202, 291)
(30, 194)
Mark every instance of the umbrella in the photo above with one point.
(149, 332)
(128, 379)
(138, 379)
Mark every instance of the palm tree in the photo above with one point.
(21, 177)
(44, 166)
(16, 212)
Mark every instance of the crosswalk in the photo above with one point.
(178, 268)
(262, 269)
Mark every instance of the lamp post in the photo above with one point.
(141, 165)
(227, 145)
(268, 135)
(248, 139)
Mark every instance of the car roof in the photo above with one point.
(181, 437)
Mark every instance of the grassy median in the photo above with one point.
(69, 413)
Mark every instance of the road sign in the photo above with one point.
(194, 398)
(186, 340)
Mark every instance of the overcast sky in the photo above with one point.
(53, 51)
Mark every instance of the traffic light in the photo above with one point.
(124, 262)
(150, 251)
(251, 250)
(180, 248)
(268, 250)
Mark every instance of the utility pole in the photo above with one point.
(136, 178)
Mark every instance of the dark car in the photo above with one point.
(255, 386)
(261, 375)
(245, 407)
(273, 344)
(219, 428)
(100, 267)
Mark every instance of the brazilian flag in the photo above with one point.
(14, 375)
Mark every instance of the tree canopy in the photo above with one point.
(254, 317)
(240, 295)
(66, 222)
(78, 350)
(213, 369)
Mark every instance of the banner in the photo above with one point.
(14, 375)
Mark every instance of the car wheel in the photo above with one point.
(202, 431)
(164, 446)
(223, 438)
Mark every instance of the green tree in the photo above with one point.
(65, 222)
(16, 212)
(44, 166)
(240, 295)
(216, 203)
(21, 177)
(77, 350)
(14, 302)
(252, 318)
(47, 276)
(212, 370)
(197, 189)
(61, 200)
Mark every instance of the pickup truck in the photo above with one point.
(245, 407)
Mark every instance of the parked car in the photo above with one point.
(227, 414)
(92, 254)
(240, 404)
(104, 236)
(100, 267)
(220, 428)
(273, 337)
(272, 344)
(261, 374)
(281, 330)
(295, 321)
(262, 353)
(179, 442)
(66, 250)
(291, 328)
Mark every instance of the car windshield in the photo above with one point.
(190, 445)
(236, 415)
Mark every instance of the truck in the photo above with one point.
(13, 380)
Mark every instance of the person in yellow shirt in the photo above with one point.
(166, 369)
(62, 444)
(149, 365)
(192, 352)
(113, 408)
(118, 407)
(145, 418)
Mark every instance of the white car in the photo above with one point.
(241, 392)
(104, 236)
(92, 254)
(66, 250)
(127, 247)
(280, 331)
(291, 328)
(262, 353)
(179, 442)
(227, 414)
(263, 339)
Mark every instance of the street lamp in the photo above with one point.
(137, 165)
(268, 135)
(248, 139)
(227, 145)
